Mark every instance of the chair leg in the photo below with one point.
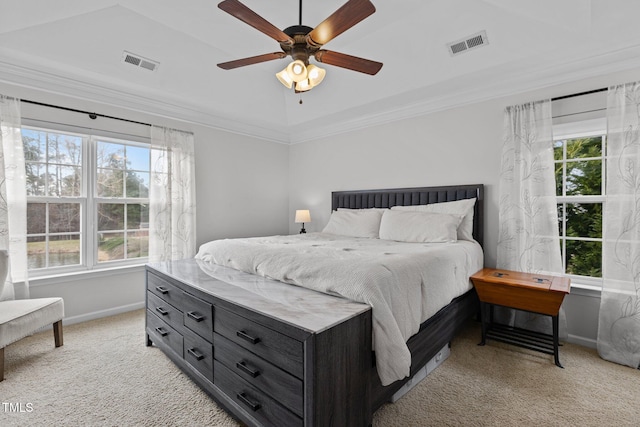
(2, 364)
(57, 333)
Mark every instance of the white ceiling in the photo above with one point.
(76, 46)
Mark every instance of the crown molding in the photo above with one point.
(460, 92)
(79, 88)
(439, 97)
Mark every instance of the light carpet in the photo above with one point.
(104, 375)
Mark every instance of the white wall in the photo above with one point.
(241, 190)
(458, 146)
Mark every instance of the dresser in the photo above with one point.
(269, 353)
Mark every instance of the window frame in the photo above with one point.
(563, 200)
(88, 198)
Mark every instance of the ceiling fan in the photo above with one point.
(302, 42)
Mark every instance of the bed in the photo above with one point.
(341, 381)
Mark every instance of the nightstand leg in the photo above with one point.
(483, 324)
(556, 341)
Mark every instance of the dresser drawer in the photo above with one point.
(270, 379)
(198, 316)
(165, 311)
(256, 403)
(281, 350)
(165, 290)
(162, 332)
(199, 353)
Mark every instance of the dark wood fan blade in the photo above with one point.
(248, 16)
(349, 62)
(341, 20)
(251, 60)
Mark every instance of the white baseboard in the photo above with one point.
(102, 313)
(585, 342)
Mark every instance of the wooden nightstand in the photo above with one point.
(537, 293)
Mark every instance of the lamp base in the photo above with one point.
(302, 230)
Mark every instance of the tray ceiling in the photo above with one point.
(77, 47)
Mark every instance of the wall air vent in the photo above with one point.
(471, 42)
(139, 61)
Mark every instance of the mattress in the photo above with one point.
(404, 283)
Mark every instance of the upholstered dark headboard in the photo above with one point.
(386, 198)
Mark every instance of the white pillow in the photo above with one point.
(459, 207)
(355, 223)
(413, 226)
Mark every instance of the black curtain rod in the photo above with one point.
(92, 116)
(589, 92)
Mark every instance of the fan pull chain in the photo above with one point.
(300, 102)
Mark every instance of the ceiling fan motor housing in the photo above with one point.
(300, 50)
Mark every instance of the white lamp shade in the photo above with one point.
(284, 78)
(315, 75)
(303, 86)
(297, 71)
(303, 216)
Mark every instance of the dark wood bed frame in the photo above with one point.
(441, 328)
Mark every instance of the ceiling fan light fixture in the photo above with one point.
(284, 78)
(297, 71)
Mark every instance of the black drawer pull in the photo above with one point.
(162, 290)
(242, 366)
(195, 353)
(243, 398)
(244, 336)
(195, 316)
(163, 332)
(162, 311)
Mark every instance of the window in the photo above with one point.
(87, 200)
(580, 188)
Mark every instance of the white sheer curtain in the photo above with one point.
(172, 196)
(528, 219)
(619, 323)
(13, 201)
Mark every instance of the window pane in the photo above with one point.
(560, 218)
(34, 143)
(64, 250)
(65, 149)
(584, 220)
(584, 258)
(584, 178)
(138, 184)
(137, 158)
(110, 183)
(110, 246)
(64, 181)
(137, 217)
(36, 252)
(138, 244)
(110, 155)
(559, 177)
(110, 216)
(584, 147)
(36, 176)
(557, 149)
(36, 218)
(64, 217)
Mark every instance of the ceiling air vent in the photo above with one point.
(468, 43)
(139, 61)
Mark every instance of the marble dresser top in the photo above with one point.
(301, 307)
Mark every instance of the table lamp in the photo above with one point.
(303, 216)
